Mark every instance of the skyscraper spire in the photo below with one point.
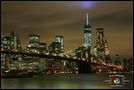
(87, 18)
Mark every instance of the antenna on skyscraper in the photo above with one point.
(87, 18)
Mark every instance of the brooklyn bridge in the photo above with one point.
(85, 66)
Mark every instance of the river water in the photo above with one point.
(85, 81)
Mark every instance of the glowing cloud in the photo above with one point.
(87, 4)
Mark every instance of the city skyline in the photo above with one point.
(30, 18)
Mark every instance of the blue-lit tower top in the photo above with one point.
(87, 34)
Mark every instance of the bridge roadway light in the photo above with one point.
(104, 63)
(47, 53)
(54, 54)
(16, 50)
(83, 59)
(94, 61)
(2, 49)
(60, 55)
(74, 57)
(67, 56)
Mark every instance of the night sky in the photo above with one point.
(67, 18)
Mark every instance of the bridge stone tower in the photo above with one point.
(84, 67)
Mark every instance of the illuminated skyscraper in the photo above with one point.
(33, 45)
(100, 44)
(34, 40)
(11, 42)
(87, 39)
(100, 39)
(87, 35)
(15, 41)
(60, 39)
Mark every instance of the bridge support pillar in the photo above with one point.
(84, 67)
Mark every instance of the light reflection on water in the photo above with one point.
(91, 81)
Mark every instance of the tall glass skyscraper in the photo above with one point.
(87, 35)
(87, 38)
